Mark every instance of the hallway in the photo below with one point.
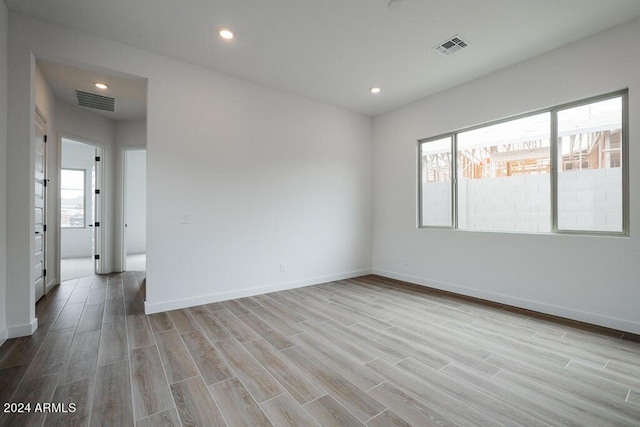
(74, 268)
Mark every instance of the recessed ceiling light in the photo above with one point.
(225, 33)
(374, 90)
(101, 86)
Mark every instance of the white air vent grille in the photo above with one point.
(452, 45)
(92, 100)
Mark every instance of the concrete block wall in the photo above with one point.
(515, 203)
(436, 198)
(587, 200)
(590, 199)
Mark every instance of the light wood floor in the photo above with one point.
(368, 351)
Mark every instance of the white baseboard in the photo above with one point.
(150, 308)
(555, 310)
(22, 330)
(50, 285)
(3, 336)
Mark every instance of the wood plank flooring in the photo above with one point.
(361, 352)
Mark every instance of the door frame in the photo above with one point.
(101, 211)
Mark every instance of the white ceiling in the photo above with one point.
(334, 50)
(130, 92)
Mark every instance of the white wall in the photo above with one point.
(76, 242)
(594, 279)
(20, 309)
(136, 201)
(266, 177)
(131, 133)
(4, 28)
(27, 91)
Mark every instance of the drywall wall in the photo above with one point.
(131, 133)
(4, 33)
(268, 179)
(21, 318)
(593, 279)
(45, 103)
(136, 201)
(87, 127)
(76, 242)
(30, 92)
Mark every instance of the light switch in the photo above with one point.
(184, 218)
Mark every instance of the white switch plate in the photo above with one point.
(282, 268)
(184, 218)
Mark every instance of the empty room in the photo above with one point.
(296, 213)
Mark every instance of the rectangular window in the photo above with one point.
(558, 170)
(504, 176)
(436, 183)
(72, 198)
(590, 167)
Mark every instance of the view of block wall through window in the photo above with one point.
(436, 183)
(590, 172)
(504, 176)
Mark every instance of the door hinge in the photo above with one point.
(97, 158)
(44, 227)
(96, 224)
(44, 272)
(96, 257)
(44, 138)
(97, 191)
(45, 182)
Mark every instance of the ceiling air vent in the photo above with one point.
(451, 46)
(92, 100)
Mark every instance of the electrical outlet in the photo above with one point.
(282, 268)
(184, 218)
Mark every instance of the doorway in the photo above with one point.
(80, 209)
(135, 210)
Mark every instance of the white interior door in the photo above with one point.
(40, 182)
